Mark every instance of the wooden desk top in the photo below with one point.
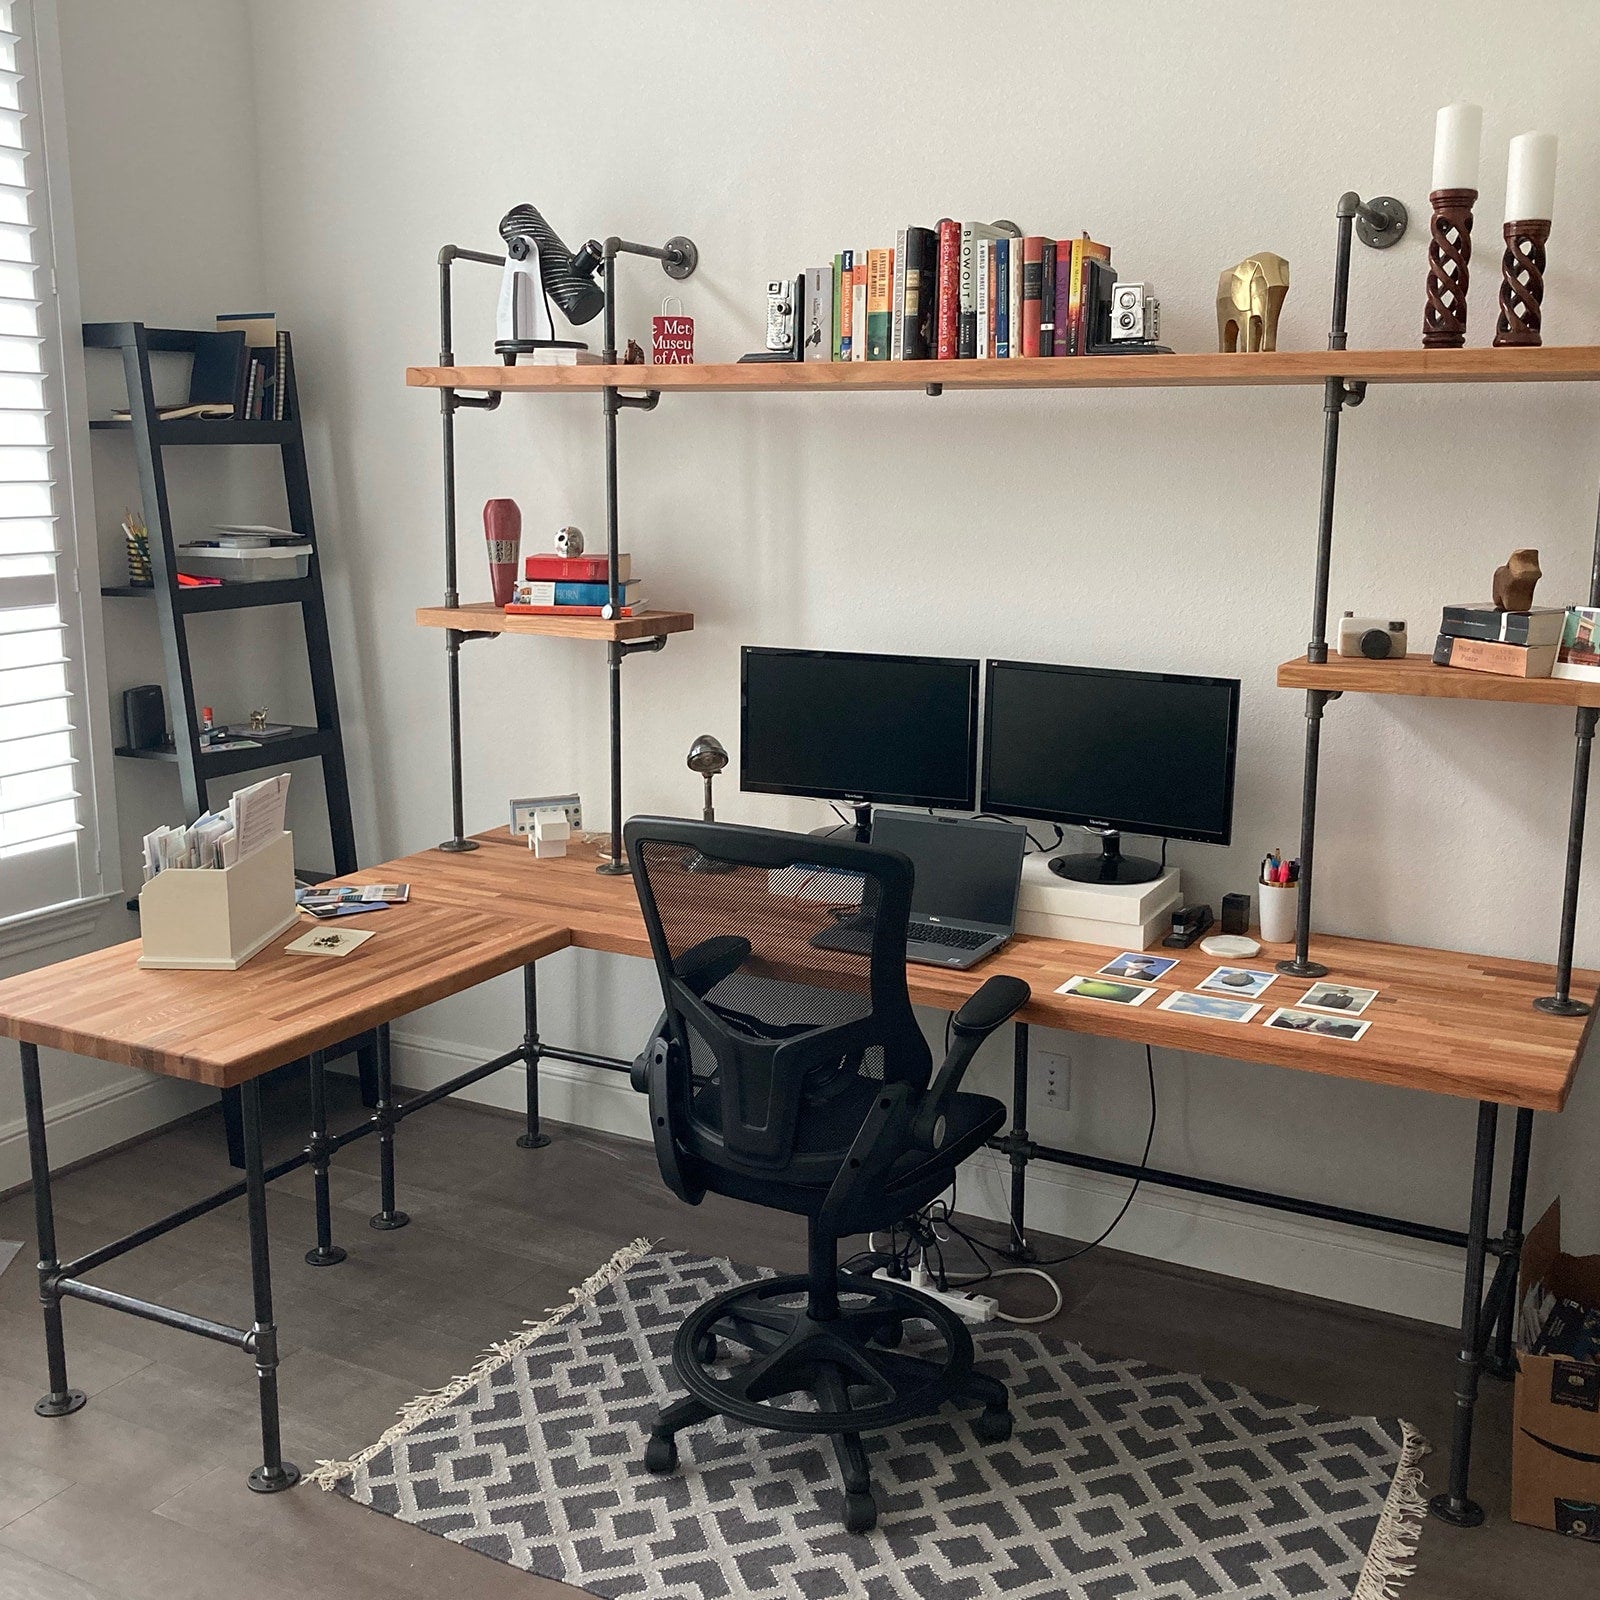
(223, 1028)
(1444, 1022)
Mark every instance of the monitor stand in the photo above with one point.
(860, 830)
(1110, 866)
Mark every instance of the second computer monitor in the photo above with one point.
(869, 729)
(1147, 752)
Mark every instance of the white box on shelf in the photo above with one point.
(207, 917)
(1134, 903)
(1144, 935)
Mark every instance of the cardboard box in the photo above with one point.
(1555, 1439)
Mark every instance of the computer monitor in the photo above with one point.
(1145, 752)
(867, 729)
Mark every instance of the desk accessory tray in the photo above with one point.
(218, 918)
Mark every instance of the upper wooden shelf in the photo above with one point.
(1560, 364)
(484, 616)
(1417, 675)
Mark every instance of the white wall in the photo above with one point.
(1150, 529)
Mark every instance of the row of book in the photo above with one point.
(574, 586)
(961, 291)
(269, 365)
(1545, 642)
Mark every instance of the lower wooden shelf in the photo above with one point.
(1417, 675)
(484, 616)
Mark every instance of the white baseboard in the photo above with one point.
(1405, 1277)
(99, 1120)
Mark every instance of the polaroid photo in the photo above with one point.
(1107, 989)
(1316, 1022)
(1138, 966)
(1247, 982)
(329, 941)
(1218, 1007)
(1340, 998)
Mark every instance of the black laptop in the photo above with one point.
(964, 901)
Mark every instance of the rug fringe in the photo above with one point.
(329, 1474)
(1390, 1559)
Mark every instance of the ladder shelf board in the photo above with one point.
(484, 616)
(1417, 675)
(1548, 364)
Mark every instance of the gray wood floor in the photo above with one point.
(141, 1495)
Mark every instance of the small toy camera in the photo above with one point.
(1373, 637)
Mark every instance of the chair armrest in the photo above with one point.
(1000, 998)
(703, 966)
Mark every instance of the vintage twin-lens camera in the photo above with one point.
(1373, 637)
(780, 314)
(1135, 313)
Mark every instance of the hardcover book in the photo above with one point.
(1001, 344)
(838, 322)
(948, 312)
(1047, 298)
(540, 593)
(1542, 625)
(897, 299)
(858, 308)
(880, 279)
(544, 568)
(1032, 287)
(817, 334)
(1505, 660)
(1014, 299)
(921, 294)
(847, 305)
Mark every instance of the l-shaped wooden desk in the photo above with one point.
(1444, 1023)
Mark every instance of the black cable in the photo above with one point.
(1163, 855)
(1041, 849)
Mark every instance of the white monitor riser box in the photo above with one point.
(205, 917)
(1122, 916)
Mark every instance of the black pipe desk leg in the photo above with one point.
(326, 1253)
(1501, 1362)
(1454, 1506)
(387, 1218)
(531, 1137)
(274, 1474)
(1561, 1003)
(1019, 1145)
(61, 1401)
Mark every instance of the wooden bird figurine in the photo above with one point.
(1514, 582)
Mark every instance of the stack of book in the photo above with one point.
(963, 290)
(1513, 644)
(574, 586)
(268, 367)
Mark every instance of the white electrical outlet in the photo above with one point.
(1055, 1082)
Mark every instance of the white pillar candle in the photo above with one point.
(1531, 178)
(1457, 135)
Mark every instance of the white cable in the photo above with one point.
(1015, 1272)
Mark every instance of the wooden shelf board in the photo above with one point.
(1417, 675)
(1549, 364)
(484, 616)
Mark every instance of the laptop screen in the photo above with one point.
(967, 871)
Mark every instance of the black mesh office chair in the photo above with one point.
(797, 1078)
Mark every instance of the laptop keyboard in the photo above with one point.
(951, 938)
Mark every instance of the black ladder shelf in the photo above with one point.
(175, 604)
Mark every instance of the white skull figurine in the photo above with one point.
(569, 541)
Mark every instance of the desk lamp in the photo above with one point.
(540, 267)
(707, 757)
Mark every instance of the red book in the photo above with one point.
(949, 287)
(572, 569)
(1032, 290)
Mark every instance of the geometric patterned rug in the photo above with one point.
(1119, 1479)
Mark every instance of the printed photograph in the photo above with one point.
(1138, 965)
(1117, 994)
(1246, 981)
(1338, 997)
(1218, 1007)
(1325, 1027)
(1579, 655)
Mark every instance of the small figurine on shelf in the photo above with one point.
(502, 530)
(1250, 299)
(1514, 583)
(258, 720)
(569, 542)
(633, 356)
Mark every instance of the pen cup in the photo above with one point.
(1278, 903)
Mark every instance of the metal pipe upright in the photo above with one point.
(614, 864)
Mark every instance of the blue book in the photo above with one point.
(1000, 293)
(570, 594)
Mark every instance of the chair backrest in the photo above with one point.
(782, 960)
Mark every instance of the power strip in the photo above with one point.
(969, 1307)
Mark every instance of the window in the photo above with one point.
(49, 823)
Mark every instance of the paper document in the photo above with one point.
(258, 814)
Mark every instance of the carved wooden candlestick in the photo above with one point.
(1521, 283)
(1444, 320)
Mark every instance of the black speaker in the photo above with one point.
(144, 712)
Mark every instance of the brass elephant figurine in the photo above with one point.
(1249, 299)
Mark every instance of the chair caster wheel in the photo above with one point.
(705, 1349)
(890, 1334)
(661, 1454)
(860, 1513)
(993, 1425)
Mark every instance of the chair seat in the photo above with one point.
(916, 1178)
